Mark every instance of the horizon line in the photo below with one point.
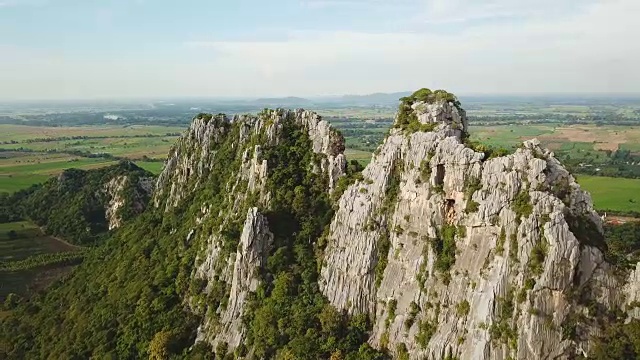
(307, 97)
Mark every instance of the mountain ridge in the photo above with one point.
(262, 241)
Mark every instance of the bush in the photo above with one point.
(536, 259)
(426, 329)
(513, 247)
(444, 247)
(501, 240)
(618, 341)
(623, 243)
(471, 186)
(402, 352)
(384, 245)
(462, 309)
(407, 119)
(414, 310)
(522, 205)
(392, 305)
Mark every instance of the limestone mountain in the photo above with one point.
(459, 253)
(82, 205)
(262, 241)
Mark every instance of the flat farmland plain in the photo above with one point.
(9, 132)
(26, 159)
(609, 193)
(31, 154)
(555, 136)
(20, 241)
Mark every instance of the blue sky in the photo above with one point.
(141, 48)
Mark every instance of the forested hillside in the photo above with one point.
(261, 241)
(131, 297)
(82, 205)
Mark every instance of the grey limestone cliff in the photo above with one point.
(250, 258)
(237, 272)
(450, 247)
(455, 253)
(190, 160)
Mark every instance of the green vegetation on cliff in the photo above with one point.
(407, 118)
(72, 205)
(128, 298)
(288, 316)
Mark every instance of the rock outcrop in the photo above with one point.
(135, 199)
(241, 143)
(451, 248)
(632, 293)
(250, 259)
(454, 253)
(81, 206)
(190, 160)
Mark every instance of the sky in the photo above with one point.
(85, 49)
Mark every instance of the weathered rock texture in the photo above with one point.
(191, 158)
(449, 250)
(525, 253)
(136, 198)
(632, 293)
(251, 257)
(189, 163)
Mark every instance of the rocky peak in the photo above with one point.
(251, 167)
(190, 160)
(454, 251)
(427, 110)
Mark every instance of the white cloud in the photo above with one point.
(322, 4)
(11, 3)
(441, 11)
(592, 50)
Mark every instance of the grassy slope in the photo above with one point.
(16, 177)
(152, 166)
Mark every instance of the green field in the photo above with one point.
(20, 241)
(363, 157)
(18, 182)
(16, 178)
(617, 194)
(31, 154)
(508, 136)
(28, 240)
(22, 133)
(132, 147)
(152, 166)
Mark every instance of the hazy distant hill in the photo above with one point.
(380, 99)
(283, 102)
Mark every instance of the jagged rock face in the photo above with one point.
(442, 113)
(632, 293)
(114, 190)
(190, 159)
(250, 258)
(246, 195)
(454, 253)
